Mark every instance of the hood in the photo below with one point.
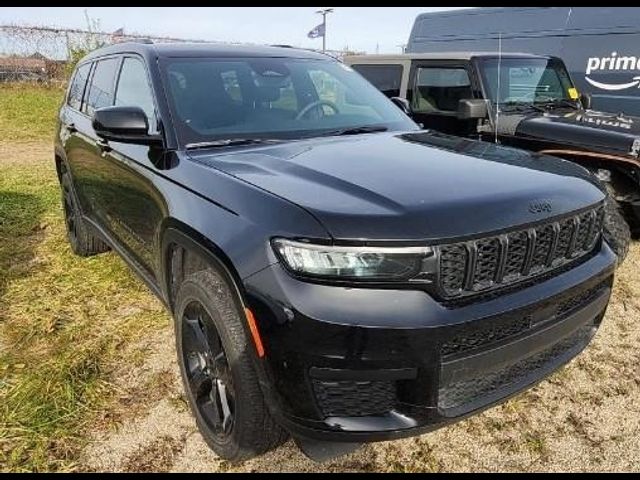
(412, 186)
(585, 130)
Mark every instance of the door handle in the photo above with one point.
(103, 145)
(71, 128)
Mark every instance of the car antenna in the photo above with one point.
(497, 118)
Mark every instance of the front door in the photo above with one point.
(434, 92)
(134, 205)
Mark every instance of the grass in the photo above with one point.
(64, 321)
(28, 112)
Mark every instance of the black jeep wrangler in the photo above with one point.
(521, 100)
(334, 272)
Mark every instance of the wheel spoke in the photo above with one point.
(211, 409)
(227, 416)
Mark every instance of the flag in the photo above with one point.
(317, 31)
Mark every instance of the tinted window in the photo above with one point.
(101, 89)
(133, 89)
(385, 78)
(77, 86)
(272, 97)
(440, 89)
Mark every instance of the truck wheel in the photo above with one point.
(216, 362)
(82, 242)
(616, 230)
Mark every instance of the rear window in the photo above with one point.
(102, 85)
(74, 100)
(385, 78)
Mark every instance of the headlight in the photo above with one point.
(356, 263)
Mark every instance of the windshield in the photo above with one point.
(527, 81)
(275, 98)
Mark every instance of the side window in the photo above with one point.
(74, 100)
(134, 90)
(440, 89)
(101, 89)
(385, 78)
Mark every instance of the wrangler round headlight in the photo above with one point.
(357, 263)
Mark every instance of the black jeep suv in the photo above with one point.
(334, 272)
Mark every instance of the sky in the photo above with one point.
(368, 29)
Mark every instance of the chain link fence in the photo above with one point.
(48, 54)
(44, 54)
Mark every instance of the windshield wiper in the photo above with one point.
(519, 107)
(229, 142)
(356, 130)
(560, 102)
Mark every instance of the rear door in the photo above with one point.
(435, 89)
(74, 125)
(85, 152)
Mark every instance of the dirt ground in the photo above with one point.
(586, 417)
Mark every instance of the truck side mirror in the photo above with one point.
(402, 104)
(585, 100)
(472, 108)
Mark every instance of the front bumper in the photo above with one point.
(364, 364)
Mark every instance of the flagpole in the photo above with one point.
(324, 13)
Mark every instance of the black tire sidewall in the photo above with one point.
(223, 314)
(74, 238)
(616, 230)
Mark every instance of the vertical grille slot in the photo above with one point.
(516, 255)
(487, 263)
(582, 236)
(544, 242)
(564, 240)
(453, 262)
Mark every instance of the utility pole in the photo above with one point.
(324, 12)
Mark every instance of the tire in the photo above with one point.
(205, 305)
(82, 242)
(616, 229)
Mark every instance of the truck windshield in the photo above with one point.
(527, 82)
(273, 98)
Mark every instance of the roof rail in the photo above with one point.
(282, 45)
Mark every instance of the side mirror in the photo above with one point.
(123, 124)
(402, 104)
(585, 100)
(472, 108)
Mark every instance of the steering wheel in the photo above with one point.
(317, 104)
